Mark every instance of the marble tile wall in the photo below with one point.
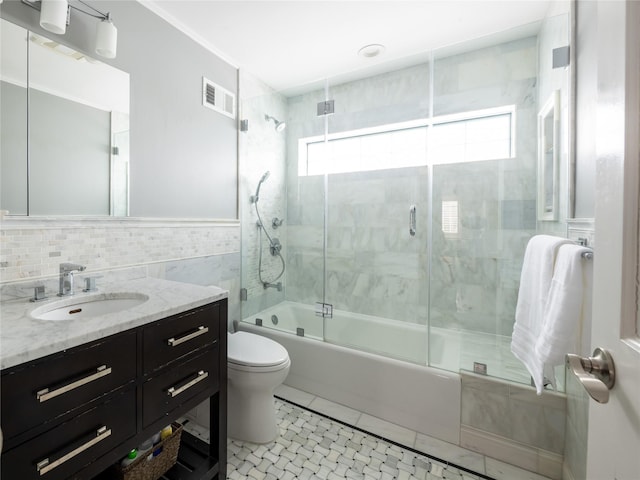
(511, 423)
(199, 252)
(476, 272)
(373, 265)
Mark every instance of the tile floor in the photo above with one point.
(322, 439)
(314, 447)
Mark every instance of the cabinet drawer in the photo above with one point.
(164, 393)
(174, 337)
(42, 390)
(75, 443)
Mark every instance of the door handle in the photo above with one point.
(596, 373)
(412, 220)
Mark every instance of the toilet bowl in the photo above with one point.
(256, 366)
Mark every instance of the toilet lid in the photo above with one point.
(254, 350)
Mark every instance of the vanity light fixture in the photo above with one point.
(55, 16)
(106, 38)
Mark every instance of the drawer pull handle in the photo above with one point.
(44, 394)
(174, 392)
(46, 466)
(177, 341)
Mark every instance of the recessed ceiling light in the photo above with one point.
(370, 51)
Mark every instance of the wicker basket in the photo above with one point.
(143, 469)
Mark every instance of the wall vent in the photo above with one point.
(218, 98)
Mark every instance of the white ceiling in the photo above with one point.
(291, 44)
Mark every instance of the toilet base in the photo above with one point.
(251, 418)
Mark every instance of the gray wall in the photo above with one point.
(77, 137)
(586, 104)
(183, 155)
(13, 148)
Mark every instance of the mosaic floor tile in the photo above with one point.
(311, 446)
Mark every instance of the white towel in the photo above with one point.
(535, 282)
(562, 324)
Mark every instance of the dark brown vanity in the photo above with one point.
(74, 414)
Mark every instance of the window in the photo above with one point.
(483, 138)
(471, 136)
(450, 216)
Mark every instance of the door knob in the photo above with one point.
(596, 373)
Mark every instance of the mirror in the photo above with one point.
(548, 137)
(64, 130)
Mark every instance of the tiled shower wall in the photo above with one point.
(199, 252)
(261, 149)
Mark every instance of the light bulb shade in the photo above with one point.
(106, 39)
(53, 15)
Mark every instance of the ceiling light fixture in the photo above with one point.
(55, 16)
(370, 51)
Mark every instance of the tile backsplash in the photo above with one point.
(203, 252)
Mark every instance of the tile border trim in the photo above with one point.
(380, 437)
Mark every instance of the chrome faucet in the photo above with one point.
(66, 278)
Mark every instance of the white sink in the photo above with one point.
(83, 307)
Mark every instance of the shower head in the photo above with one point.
(255, 198)
(280, 126)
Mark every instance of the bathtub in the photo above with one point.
(380, 374)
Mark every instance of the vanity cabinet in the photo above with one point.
(39, 392)
(74, 414)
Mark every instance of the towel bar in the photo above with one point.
(587, 255)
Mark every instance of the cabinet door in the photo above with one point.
(43, 390)
(67, 448)
(174, 337)
(179, 384)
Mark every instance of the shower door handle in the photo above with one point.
(412, 220)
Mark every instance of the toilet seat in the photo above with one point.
(250, 352)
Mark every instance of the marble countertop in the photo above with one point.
(23, 338)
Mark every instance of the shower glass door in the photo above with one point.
(281, 230)
(305, 194)
(373, 159)
(484, 155)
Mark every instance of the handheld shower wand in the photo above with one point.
(275, 246)
(256, 197)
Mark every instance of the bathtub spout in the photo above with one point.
(277, 286)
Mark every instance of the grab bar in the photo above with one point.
(412, 220)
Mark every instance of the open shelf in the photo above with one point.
(194, 462)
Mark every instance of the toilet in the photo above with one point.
(256, 366)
